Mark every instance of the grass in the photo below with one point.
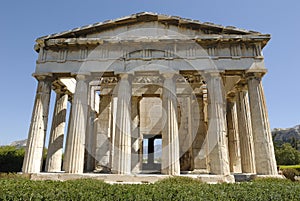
(176, 188)
(289, 167)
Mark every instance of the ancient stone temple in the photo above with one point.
(152, 93)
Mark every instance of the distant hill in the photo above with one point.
(19, 143)
(287, 135)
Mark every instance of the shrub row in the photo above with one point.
(168, 189)
(11, 159)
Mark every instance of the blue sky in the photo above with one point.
(23, 21)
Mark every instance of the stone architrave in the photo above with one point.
(264, 149)
(55, 148)
(216, 134)
(170, 137)
(77, 129)
(103, 134)
(245, 132)
(122, 145)
(233, 138)
(38, 127)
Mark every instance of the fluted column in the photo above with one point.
(170, 138)
(217, 131)
(264, 149)
(89, 138)
(136, 139)
(199, 145)
(36, 137)
(77, 127)
(245, 132)
(54, 154)
(103, 134)
(233, 138)
(122, 145)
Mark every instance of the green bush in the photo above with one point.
(178, 188)
(11, 159)
(287, 155)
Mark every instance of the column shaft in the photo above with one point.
(89, 138)
(217, 141)
(122, 145)
(264, 150)
(170, 137)
(54, 155)
(199, 145)
(185, 133)
(245, 133)
(77, 128)
(233, 138)
(38, 127)
(136, 140)
(103, 134)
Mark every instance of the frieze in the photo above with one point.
(190, 78)
(147, 79)
(109, 80)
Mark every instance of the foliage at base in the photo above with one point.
(11, 159)
(177, 188)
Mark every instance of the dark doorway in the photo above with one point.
(152, 148)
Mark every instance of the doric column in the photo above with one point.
(122, 145)
(77, 128)
(264, 150)
(170, 138)
(233, 138)
(245, 132)
(54, 155)
(217, 141)
(200, 151)
(136, 139)
(89, 138)
(186, 135)
(38, 127)
(103, 134)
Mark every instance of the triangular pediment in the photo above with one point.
(148, 17)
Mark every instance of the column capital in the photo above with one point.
(43, 76)
(241, 87)
(169, 75)
(231, 97)
(254, 75)
(61, 90)
(213, 73)
(82, 76)
(126, 76)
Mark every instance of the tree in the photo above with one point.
(11, 159)
(287, 155)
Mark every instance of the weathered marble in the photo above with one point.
(76, 140)
(217, 129)
(122, 146)
(263, 144)
(245, 132)
(38, 127)
(55, 148)
(170, 138)
(233, 138)
(103, 135)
